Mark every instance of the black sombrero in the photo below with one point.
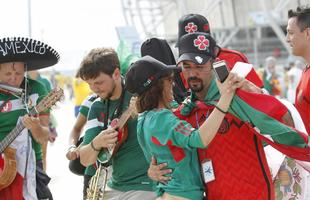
(34, 53)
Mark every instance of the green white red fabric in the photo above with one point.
(24, 184)
(241, 169)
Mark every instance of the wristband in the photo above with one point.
(71, 147)
(93, 147)
(219, 109)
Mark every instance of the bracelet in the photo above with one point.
(219, 109)
(72, 147)
(93, 147)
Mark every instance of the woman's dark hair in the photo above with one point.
(150, 99)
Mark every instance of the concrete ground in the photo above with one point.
(64, 184)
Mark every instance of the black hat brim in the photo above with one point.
(174, 68)
(194, 57)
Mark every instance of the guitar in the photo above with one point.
(106, 154)
(9, 169)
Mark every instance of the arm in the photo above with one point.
(227, 89)
(89, 152)
(73, 152)
(38, 127)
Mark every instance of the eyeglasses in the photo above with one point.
(198, 68)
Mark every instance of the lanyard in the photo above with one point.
(117, 111)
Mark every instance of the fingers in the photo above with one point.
(31, 122)
(159, 172)
(236, 82)
(72, 155)
(233, 82)
(153, 161)
(107, 139)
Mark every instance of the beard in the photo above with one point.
(110, 93)
(197, 86)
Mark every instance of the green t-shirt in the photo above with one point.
(127, 175)
(173, 141)
(85, 106)
(15, 108)
(45, 82)
(84, 110)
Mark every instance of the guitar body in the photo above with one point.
(121, 137)
(8, 168)
(8, 164)
(106, 154)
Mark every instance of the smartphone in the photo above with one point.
(221, 71)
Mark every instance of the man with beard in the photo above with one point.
(236, 153)
(191, 23)
(298, 36)
(129, 181)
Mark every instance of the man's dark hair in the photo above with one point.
(99, 60)
(150, 99)
(303, 17)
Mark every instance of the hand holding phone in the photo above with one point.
(221, 71)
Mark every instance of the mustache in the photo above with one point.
(193, 78)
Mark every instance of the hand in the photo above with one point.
(31, 122)
(106, 138)
(157, 172)
(73, 153)
(227, 89)
(250, 87)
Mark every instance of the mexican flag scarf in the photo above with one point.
(264, 113)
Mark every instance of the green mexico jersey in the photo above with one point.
(173, 141)
(84, 108)
(127, 175)
(14, 108)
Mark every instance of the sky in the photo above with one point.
(71, 27)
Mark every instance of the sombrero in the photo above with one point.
(34, 53)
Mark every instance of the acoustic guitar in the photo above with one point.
(118, 124)
(8, 172)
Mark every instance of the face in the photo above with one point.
(103, 85)
(198, 76)
(271, 67)
(168, 92)
(298, 40)
(12, 73)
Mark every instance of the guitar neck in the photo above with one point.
(47, 102)
(11, 136)
(123, 119)
(14, 133)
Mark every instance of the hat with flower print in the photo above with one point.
(196, 47)
(192, 23)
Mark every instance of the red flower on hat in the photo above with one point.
(191, 28)
(201, 42)
(206, 27)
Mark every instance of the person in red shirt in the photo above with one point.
(234, 164)
(298, 36)
(192, 23)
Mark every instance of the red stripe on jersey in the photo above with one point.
(183, 129)
(177, 152)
